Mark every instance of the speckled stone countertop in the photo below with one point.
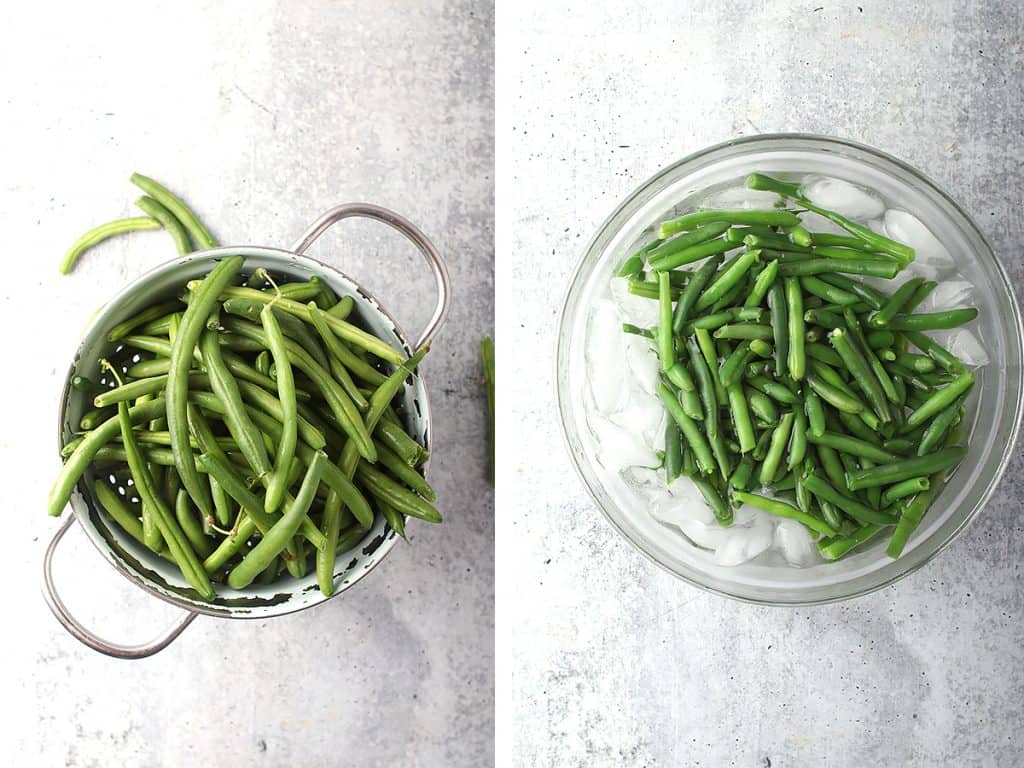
(262, 114)
(616, 662)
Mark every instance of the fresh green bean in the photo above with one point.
(862, 266)
(690, 247)
(777, 447)
(168, 221)
(850, 506)
(104, 232)
(939, 400)
(719, 507)
(732, 368)
(797, 362)
(693, 220)
(798, 440)
(836, 548)
(694, 437)
(199, 234)
(909, 487)
(904, 469)
(782, 509)
(692, 292)
(278, 537)
(951, 318)
(290, 421)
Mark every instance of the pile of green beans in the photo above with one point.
(247, 428)
(784, 372)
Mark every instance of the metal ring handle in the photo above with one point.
(412, 232)
(82, 634)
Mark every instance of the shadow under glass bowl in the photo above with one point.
(994, 407)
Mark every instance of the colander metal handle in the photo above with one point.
(94, 641)
(412, 232)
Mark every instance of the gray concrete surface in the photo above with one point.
(615, 662)
(262, 114)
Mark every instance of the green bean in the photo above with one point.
(878, 371)
(720, 508)
(666, 341)
(692, 291)
(843, 241)
(690, 247)
(737, 233)
(123, 516)
(945, 359)
(773, 458)
(858, 366)
(104, 232)
(86, 450)
(340, 403)
(828, 292)
(694, 437)
(346, 331)
(762, 283)
(202, 303)
(95, 416)
(870, 295)
(705, 386)
(852, 445)
(278, 537)
(904, 469)
(291, 326)
(862, 266)
(740, 478)
(409, 476)
(168, 221)
(290, 417)
(741, 331)
(798, 440)
(778, 309)
(732, 368)
(922, 293)
(918, 363)
(634, 265)
(931, 321)
(238, 423)
(913, 513)
(782, 509)
(176, 541)
(797, 362)
(395, 438)
(403, 500)
(850, 506)
(707, 350)
(815, 413)
(726, 279)
(896, 302)
(697, 218)
(673, 452)
(833, 395)
(836, 548)
(761, 406)
(190, 526)
(774, 242)
(343, 308)
(778, 392)
(939, 426)
(904, 253)
(909, 487)
(338, 353)
(200, 234)
(939, 400)
(125, 327)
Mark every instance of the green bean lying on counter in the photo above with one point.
(246, 428)
(781, 369)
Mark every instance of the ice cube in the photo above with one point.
(619, 448)
(643, 362)
(604, 350)
(644, 418)
(949, 294)
(965, 345)
(842, 197)
(931, 255)
(795, 544)
(814, 222)
(680, 503)
(740, 197)
(633, 309)
(745, 542)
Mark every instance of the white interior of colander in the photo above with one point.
(155, 574)
(993, 405)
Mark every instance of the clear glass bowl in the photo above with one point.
(994, 408)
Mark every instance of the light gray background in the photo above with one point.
(617, 663)
(262, 114)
